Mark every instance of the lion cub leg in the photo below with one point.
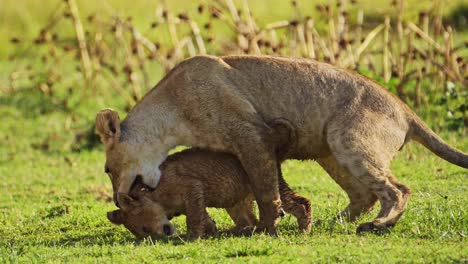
(361, 199)
(199, 223)
(296, 205)
(243, 216)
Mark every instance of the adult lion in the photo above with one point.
(348, 123)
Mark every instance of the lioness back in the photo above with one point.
(310, 94)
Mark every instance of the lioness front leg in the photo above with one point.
(249, 138)
(260, 165)
(199, 223)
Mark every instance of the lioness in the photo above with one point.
(192, 180)
(348, 123)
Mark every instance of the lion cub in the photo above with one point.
(193, 180)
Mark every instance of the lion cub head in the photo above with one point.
(126, 157)
(141, 216)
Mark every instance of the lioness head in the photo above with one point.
(126, 157)
(142, 216)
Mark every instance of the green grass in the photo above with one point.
(52, 206)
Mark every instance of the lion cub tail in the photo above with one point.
(420, 132)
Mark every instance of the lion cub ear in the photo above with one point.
(127, 203)
(108, 126)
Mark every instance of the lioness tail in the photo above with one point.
(424, 135)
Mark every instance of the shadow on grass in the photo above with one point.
(109, 239)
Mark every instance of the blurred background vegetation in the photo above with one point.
(62, 61)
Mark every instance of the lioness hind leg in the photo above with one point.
(296, 205)
(393, 196)
(365, 149)
(361, 199)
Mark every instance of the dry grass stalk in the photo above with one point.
(426, 57)
(417, 95)
(233, 10)
(425, 36)
(452, 55)
(443, 69)
(326, 51)
(385, 57)
(80, 37)
(341, 27)
(171, 23)
(250, 21)
(368, 40)
(198, 37)
(359, 23)
(409, 56)
(331, 29)
(310, 38)
(119, 89)
(438, 10)
(191, 48)
(300, 32)
(140, 57)
(399, 59)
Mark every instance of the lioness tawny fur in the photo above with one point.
(348, 123)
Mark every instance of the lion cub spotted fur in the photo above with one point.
(193, 180)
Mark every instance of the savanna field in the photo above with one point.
(63, 61)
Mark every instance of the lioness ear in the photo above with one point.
(115, 217)
(108, 126)
(126, 202)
